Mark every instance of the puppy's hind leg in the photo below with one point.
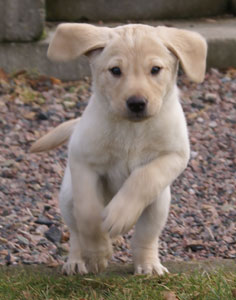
(146, 236)
(75, 263)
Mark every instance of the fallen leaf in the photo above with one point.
(234, 293)
(168, 295)
(18, 73)
(231, 72)
(29, 115)
(65, 237)
(55, 81)
(27, 295)
(3, 75)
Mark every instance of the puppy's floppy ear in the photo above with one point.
(72, 40)
(190, 47)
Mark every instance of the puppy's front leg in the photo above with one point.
(146, 236)
(88, 206)
(143, 187)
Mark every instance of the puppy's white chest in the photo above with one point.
(123, 156)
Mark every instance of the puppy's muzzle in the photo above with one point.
(137, 107)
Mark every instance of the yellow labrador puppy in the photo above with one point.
(131, 142)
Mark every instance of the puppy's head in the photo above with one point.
(133, 66)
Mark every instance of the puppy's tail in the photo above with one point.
(55, 137)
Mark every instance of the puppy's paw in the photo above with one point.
(72, 267)
(119, 216)
(96, 254)
(96, 263)
(155, 268)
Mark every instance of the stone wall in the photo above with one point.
(23, 44)
(122, 10)
(21, 20)
(233, 6)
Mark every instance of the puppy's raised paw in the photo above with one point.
(119, 216)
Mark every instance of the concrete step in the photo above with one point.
(220, 34)
(113, 10)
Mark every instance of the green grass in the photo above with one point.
(34, 283)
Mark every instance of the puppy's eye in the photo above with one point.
(116, 71)
(155, 70)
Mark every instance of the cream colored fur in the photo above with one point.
(55, 137)
(120, 168)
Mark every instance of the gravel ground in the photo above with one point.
(201, 222)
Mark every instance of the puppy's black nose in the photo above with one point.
(136, 104)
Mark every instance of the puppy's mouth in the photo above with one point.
(137, 117)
